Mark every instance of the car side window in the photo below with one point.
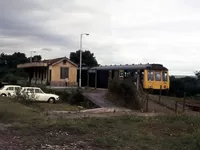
(10, 89)
(17, 88)
(38, 91)
(30, 90)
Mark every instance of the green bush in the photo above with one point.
(10, 78)
(25, 99)
(190, 85)
(75, 97)
(125, 92)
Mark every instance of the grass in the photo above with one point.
(12, 111)
(172, 132)
(130, 132)
(58, 106)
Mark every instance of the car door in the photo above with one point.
(17, 90)
(30, 93)
(40, 96)
(10, 91)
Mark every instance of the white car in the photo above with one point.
(38, 95)
(9, 90)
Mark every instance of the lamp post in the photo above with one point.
(31, 55)
(81, 37)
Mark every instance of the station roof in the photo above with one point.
(45, 63)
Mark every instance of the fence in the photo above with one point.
(178, 105)
(143, 97)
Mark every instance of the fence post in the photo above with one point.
(160, 94)
(184, 101)
(176, 105)
(147, 102)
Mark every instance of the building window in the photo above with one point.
(164, 76)
(150, 76)
(64, 73)
(121, 73)
(158, 76)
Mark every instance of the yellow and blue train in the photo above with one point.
(151, 76)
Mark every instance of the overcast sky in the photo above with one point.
(121, 31)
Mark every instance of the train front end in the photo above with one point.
(156, 78)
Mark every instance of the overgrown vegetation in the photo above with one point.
(190, 85)
(126, 132)
(25, 99)
(11, 110)
(125, 93)
(32, 129)
(72, 97)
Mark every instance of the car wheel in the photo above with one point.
(51, 100)
(3, 95)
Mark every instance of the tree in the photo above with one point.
(8, 65)
(197, 74)
(88, 58)
(190, 85)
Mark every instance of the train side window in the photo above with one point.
(150, 76)
(158, 76)
(164, 76)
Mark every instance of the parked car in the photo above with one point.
(37, 94)
(9, 90)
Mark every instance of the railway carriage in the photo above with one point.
(150, 76)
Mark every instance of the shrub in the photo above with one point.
(10, 78)
(76, 97)
(24, 99)
(64, 95)
(125, 93)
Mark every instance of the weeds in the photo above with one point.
(25, 98)
(73, 97)
(125, 93)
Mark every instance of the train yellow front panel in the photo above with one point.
(154, 84)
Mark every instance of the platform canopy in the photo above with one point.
(33, 64)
